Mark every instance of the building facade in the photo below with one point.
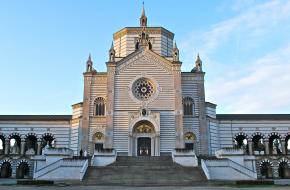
(144, 105)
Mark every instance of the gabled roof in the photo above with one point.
(35, 117)
(253, 116)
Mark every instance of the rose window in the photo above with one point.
(143, 89)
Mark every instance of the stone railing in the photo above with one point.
(58, 151)
(47, 169)
(84, 169)
(229, 163)
(229, 151)
(205, 169)
(66, 162)
(183, 151)
(184, 157)
(105, 152)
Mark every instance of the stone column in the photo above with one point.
(157, 145)
(266, 147)
(38, 147)
(275, 172)
(283, 146)
(250, 145)
(7, 146)
(22, 147)
(130, 151)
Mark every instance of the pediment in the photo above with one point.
(141, 55)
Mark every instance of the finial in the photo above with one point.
(112, 53)
(198, 64)
(112, 45)
(89, 64)
(175, 52)
(174, 45)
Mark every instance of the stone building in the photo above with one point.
(144, 105)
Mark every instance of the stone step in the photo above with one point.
(144, 171)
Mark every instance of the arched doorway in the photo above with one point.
(284, 170)
(22, 170)
(190, 141)
(98, 140)
(144, 141)
(6, 170)
(266, 170)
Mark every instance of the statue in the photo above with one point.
(30, 151)
(14, 149)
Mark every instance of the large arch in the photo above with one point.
(2, 143)
(275, 146)
(241, 142)
(258, 141)
(31, 144)
(14, 143)
(287, 143)
(144, 139)
(47, 139)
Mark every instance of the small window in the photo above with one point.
(99, 106)
(188, 106)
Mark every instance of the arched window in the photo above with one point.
(99, 106)
(188, 106)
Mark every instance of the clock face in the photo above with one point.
(143, 89)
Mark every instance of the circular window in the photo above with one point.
(143, 89)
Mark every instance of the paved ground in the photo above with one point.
(134, 188)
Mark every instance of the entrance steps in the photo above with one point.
(144, 171)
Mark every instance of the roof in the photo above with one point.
(35, 117)
(253, 116)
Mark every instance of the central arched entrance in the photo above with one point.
(144, 140)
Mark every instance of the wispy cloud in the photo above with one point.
(259, 84)
(263, 89)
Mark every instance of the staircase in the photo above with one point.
(144, 171)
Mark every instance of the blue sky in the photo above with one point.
(244, 45)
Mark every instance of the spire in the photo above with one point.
(89, 64)
(143, 18)
(143, 10)
(175, 52)
(174, 45)
(198, 65)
